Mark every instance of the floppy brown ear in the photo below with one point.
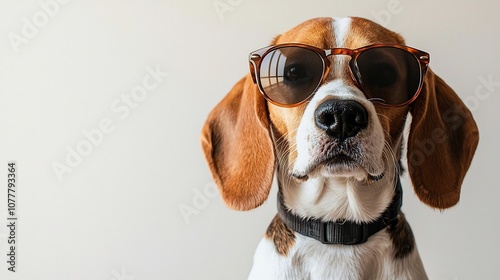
(442, 141)
(238, 147)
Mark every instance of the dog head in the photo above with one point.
(339, 132)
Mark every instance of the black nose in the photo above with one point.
(341, 118)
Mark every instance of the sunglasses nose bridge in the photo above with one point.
(339, 52)
(331, 55)
(344, 59)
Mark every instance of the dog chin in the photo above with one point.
(341, 171)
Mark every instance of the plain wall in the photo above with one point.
(115, 212)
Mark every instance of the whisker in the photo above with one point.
(384, 116)
(283, 149)
(390, 155)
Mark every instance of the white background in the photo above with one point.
(117, 215)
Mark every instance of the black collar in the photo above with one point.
(346, 232)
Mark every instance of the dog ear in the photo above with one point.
(442, 141)
(238, 147)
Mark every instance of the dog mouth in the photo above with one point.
(338, 164)
(338, 160)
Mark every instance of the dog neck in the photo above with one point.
(337, 198)
(342, 232)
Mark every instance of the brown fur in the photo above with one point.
(238, 147)
(402, 237)
(443, 122)
(281, 235)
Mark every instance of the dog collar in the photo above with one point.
(345, 232)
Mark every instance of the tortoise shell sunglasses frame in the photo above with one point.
(256, 58)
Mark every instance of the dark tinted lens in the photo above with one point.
(388, 75)
(290, 75)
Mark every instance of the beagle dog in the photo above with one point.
(324, 108)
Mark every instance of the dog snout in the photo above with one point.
(341, 119)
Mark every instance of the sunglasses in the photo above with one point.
(289, 74)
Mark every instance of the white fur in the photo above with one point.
(341, 28)
(338, 194)
(309, 259)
